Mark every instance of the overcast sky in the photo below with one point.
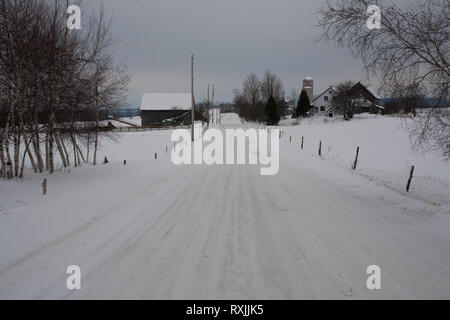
(230, 39)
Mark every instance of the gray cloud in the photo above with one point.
(229, 38)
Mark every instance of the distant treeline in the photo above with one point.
(87, 115)
(124, 113)
(423, 103)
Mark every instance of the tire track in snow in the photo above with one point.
(39, 260)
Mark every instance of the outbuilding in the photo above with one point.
(167, 109)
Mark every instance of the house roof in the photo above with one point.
(329, 88)
(166, 101)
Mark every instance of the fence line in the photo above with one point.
(144, 129)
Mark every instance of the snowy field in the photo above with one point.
(385, 154)
(152, 230)
(127, 122)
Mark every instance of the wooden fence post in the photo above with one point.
(290, 139)
(320, 148)
(410, 179)
(356, 159)
(156, 156)
(44, 187)
(302, 141)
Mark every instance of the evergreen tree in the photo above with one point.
(271, 112)
(303, 105)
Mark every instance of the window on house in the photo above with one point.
(325, 98)
(322, 109)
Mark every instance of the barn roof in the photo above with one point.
(363, 90)
(368, 89)
(166, 101)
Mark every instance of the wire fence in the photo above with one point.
(148, 128)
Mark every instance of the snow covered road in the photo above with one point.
(226, 232)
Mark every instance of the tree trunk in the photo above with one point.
(80, 153)
(2, 158)
(51, 165)
(9, 164)
(23, 165)
(65, 151)
(27, 151)
(95, 147)
(33, 163)
(36, 138)
(21, 126)
(16, 151)
(97, 124)
(60, 150)
(46, 152)
(74, 150)
(37, 152)
(88, 147)
(37, 148)
(96, 141)
(8, 155)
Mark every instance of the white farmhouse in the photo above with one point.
(322, 102)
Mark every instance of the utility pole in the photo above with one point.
(208, 107)
(213, 109)
(218, 115)
(192, 94)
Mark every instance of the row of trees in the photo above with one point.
(53, 84)
(261, 100)
(406, 100)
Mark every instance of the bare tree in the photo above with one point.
(295, 94)
(251, 90)
(271, 85)
(53, 84)
(411, 48)
(344, 101)
(249, 100)
(406, 99)
(431, 132)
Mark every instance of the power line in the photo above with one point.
(145, 56)
(161, 26)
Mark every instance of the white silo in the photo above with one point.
(308, 86)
